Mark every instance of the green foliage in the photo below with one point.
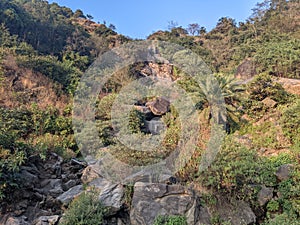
(170, 220)
(263, 86)
(280, 58)
(173, 125)
(61, 72)
(290, 121)
(136, 121)
(10, 161)
(204, 95)
(262, 135)
(16, 121)
(104, 107)
(14, 125)
(235, 169)
(129, 190)
(282, 219)
(273, 206)
(85, 210)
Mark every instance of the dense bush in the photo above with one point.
(85, 210)
(263, 86)
(291, 121)
(61, 72)
(136, 121)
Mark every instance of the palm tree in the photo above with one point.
(209, 100)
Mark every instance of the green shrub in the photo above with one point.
(291, 121)
(273, 206)
(136, 121)
(170, 220)
(263, 86)
(236, 168)
(104, 107)
(85, 210)
(53, 68)
(282, 219)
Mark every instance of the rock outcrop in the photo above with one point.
(153, 199)
(47, 193)
(159, 106)
(46, 185)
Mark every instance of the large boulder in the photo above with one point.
(110, 195)
(153, 199)
(68, 196)
(235, 212)
(159, 106)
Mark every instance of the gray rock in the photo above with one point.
(264, 195)
(52, 186)
(203, 217)
(30, 180)
(68, 196)
(153, 199)
(155, 126)
(235, 212)
(46, 220)
(283, 172)
(149, 176)
(111, 195)
(68, 185)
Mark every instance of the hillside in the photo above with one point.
(46, 176)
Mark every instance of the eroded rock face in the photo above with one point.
(153, 199)
(41, 182)
(162, 71)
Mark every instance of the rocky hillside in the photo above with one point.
(44, 175)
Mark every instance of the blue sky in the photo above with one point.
(138, 19)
